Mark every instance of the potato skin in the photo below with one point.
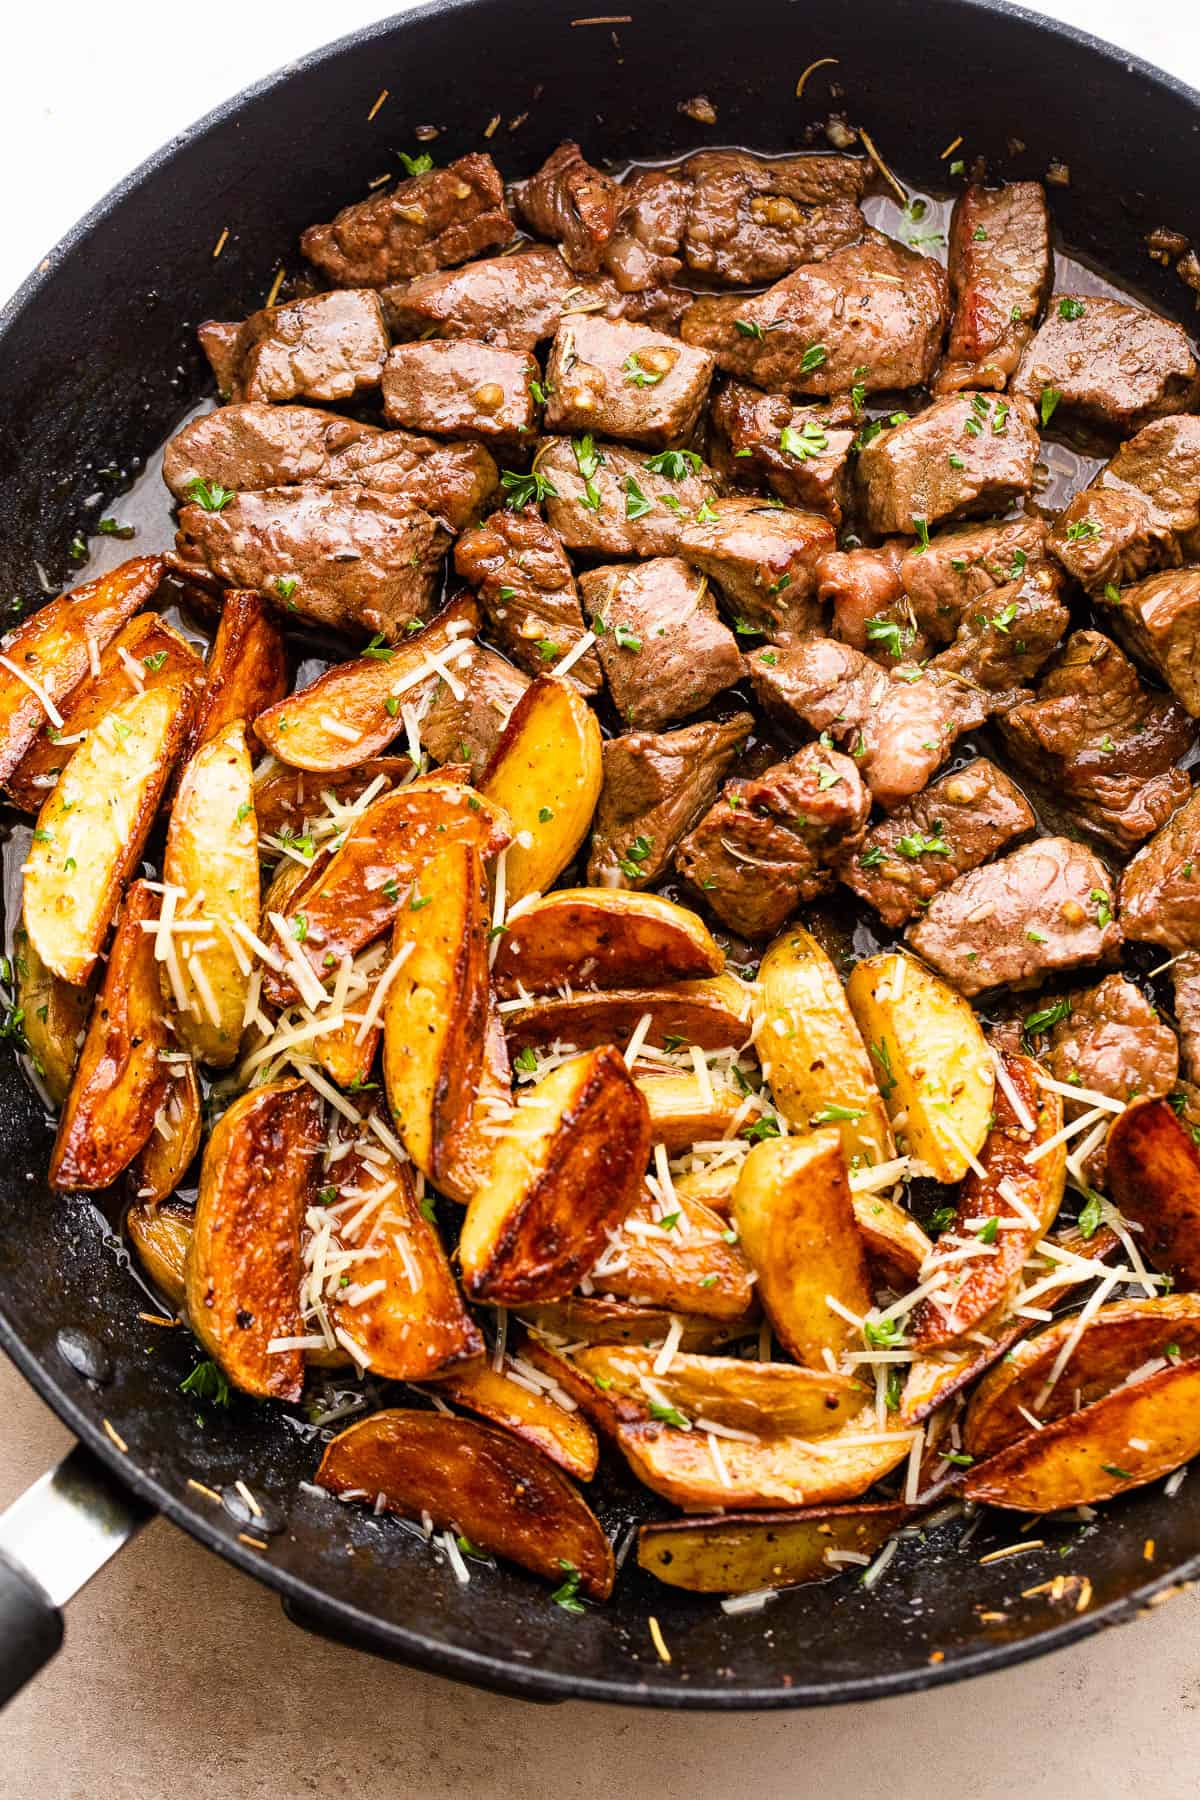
(700, 1274)
(603, 938)
(711, 1013)
(247, 671)
(164, 1162)
(547, 761)
(1154, 1178)
(770, 1399)
(682, 1113)
(729, 1554)
(161, 1234)
(609, 1321)
(565, 1437)
(284, 798)
(55, 1017)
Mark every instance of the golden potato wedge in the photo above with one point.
(932, 1058)
(500, 1492)
(1128, 1438)
(686, 1111)
(603, 938)
(143, 654)
(257, 1181)
(246, 673)
(979, 1291)
(689, 1265)
(769, 1399)
(120, 1080)
(167, 1154)
(815, 1062)
(565, 1172)
(609, 1321)
(92, 828)
(546, 774)
(54, 1017)
(731, 1555)
(797, 1228)
(52, 651)
(528, 1411)
(356, 708)
(606, 1407)
(345, 1058)
(212, 859)
(1154, 1179)
(290, 800)
(712, 1187)
(713, 1014)
(161, 1234)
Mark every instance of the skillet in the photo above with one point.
(97, 362)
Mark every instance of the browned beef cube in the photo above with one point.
(1185, 978)
(1107, 364)
(1005, 638)
(624, 381)
(572, 202)
(616, 501)
(965, 455)
(1113, 1042)
(345, 557)
(430, 221)
(464, 722)
(764, 558)
(219, 340)
(957, 823)
(329, 347)
(664, 651)
(1160, 889)
(870, 316)
(801, 454)
(768, 844)
(459, 389)
(520, 569)
(1046, 907)
(752, 219)
(645, 248)
(1000, 273)
(656, 785)
(1142, 512)
(1160, 619)
(1100, 742)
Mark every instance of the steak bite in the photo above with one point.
(1107, 364)
(957, 823)
(1016, 921)
(346, 557)
(802, 455)
(522, 575)
(328, 347)
(463, 722)
(1142, 512)
(966, 454)
(1113, 1042)
(1160, 888)
(766, 845)
(1000, 273)
(1159, 619)
(1004, 639)
(570, 201)
(430, 221)
(1185, 978)
(612, 500)
(1100, 742)
(764, 559)
(751, 219)
(656, 786)
(871, 315)
(624, 381)
(664, 651)
(460, 388)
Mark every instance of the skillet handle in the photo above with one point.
(53, 1539)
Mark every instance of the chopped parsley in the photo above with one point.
(803, 444)
(834, 1114)
(636, 376)
(526, 490)
(208, 1381)
(636, 503)
(416, 165)
(1046, 1016)
(1069, 308)
(894, 637)
(749, 328)
(673, 464)
(1049, 401)
(1082, 531)
(814, 357)
(208, 494)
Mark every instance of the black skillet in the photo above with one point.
(97, 361)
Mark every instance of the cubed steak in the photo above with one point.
(1185, 979)
(1159, 619)
(1000, 273)
(430, 221)
(460, 389)
(966, 455)
(1142, 511)
(1112, 1041)
(768, 844)
(1097, 740)
(328, 347)
(646, 248)
(612, 500)
(656, 786)
(624, 381)
(870, 316)
(664, 651)
(345, 557)
(464, 719)
(764, 559)
(573, 203)
(1107, 364)
(1160, 888)
(955, 825)
(1004, 639)
(751, 219)
(797, 450)
(523, 577)
(1046, 907)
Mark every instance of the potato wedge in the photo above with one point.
(161, 1234)
(356, 709)
(120, 1080)
(257, 1181)
(345, 1059)
(565, 1172)
(167, 1154)
(1128, 1438)
(797, 1228)
(212, 859)
(979, 1291)
(532, 1414)
(686, 1111)
(54, 1017)
(606, 1407)
(290, 800)
(546, 773)
(246, 674)
(731, 1555)
(610, 1321)
(690, 1266)
(769, 1399)
(816, 1064)
(1154, 1178)
(500, 1492)
(713, 1014)
(603, 938)
(92, 828)
(52, 649)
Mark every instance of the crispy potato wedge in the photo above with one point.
(932, 1058)
(690, 1267)
(168, 1152)
(92, 828)
(120, 1081)
(244, 1266)
(979, 1292)
(161, 1234)
(1128, 1438)
(797, 1228)
(292, 799)
(347, 1061)
(610, 1321)
(246, 673)
(502, 1493)
(546, 773)
(356, 708)
(686, 1111)
(606, 1407)
(603, 938)
(713, 1014)
(769, 1399)
(565, 1172)
(212, 857)
(731, 1555)
(712, 1187)
(54, 1017)
(818, 1069)
(530, 1413)
(1154, 1178)
(52, 648)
